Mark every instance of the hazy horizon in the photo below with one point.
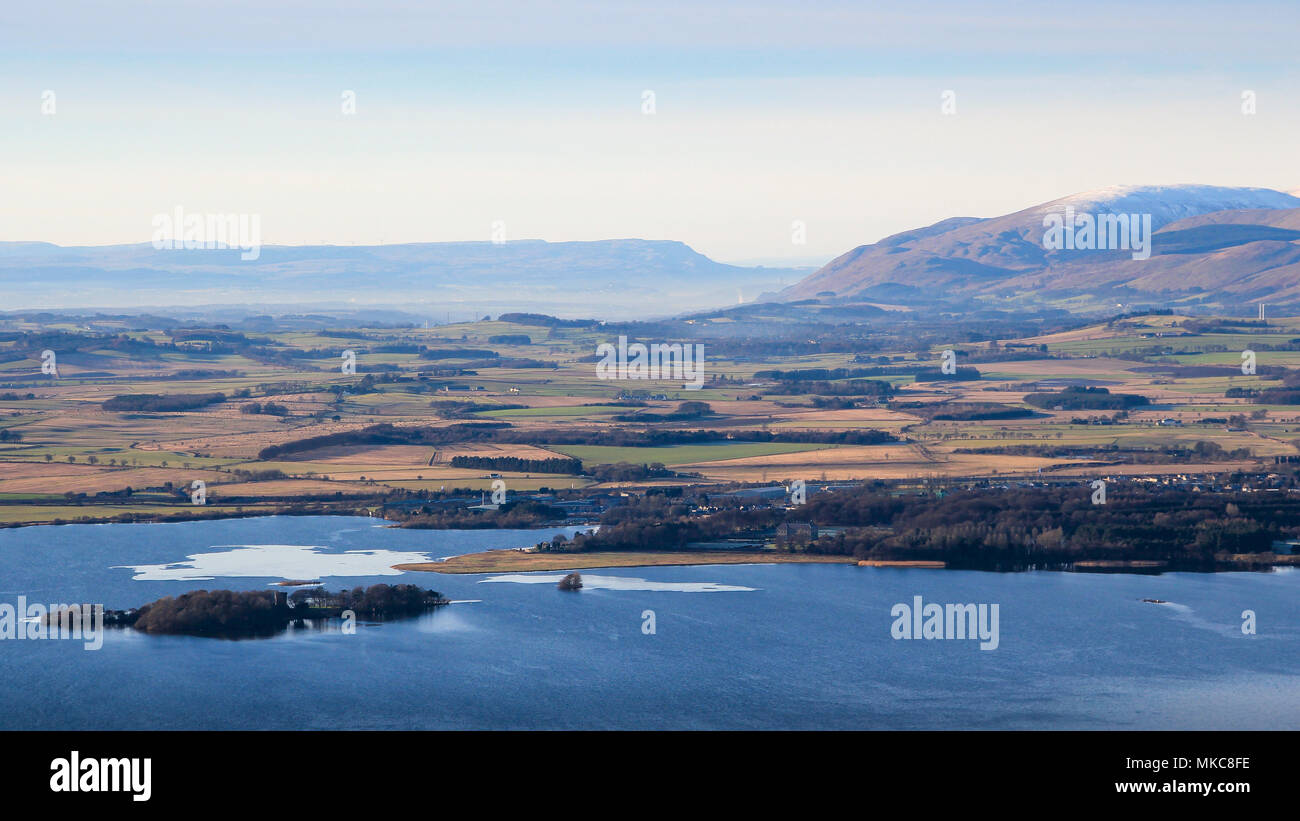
(467, 117)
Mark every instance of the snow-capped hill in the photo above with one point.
(1233, 245)
(1168, 203)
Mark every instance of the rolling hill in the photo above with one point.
(1211, 246)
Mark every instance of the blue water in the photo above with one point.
(805, 646)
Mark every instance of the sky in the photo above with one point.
(779, 131)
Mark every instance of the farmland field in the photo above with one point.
(59, 443)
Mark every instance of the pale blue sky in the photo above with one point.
(531, 113)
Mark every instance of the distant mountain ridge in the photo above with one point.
(1211, 245)
(606, 278)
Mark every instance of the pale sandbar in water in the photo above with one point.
(620, 583)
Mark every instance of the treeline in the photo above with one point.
(269, 408)
(542, 319)
(1278, 396)
(1085, 398)
(386, 434)
(517, 464)
(628, 472)
(1009, 353)
(983, 528)
(515, 515)
(664, 522)
(201, 373)
(215, 612)
(875, 388)
(502, 432)
(921, 373)
(159, 402)
(1226, 325)
(646, 534)
(463, 409)
(1202, 451)
(828, 374)
(961, 411)
(504, 362)
(685, 412)
(964, 373)
(1027, 526)
(378, 601)
(1287, 394)
(1204, 371)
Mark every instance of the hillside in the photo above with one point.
(1212, 246)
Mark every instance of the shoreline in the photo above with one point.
(518, 560)
(515, 560)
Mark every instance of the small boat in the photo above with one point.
(1156, 601)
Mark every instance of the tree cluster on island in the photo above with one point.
(238, 613)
